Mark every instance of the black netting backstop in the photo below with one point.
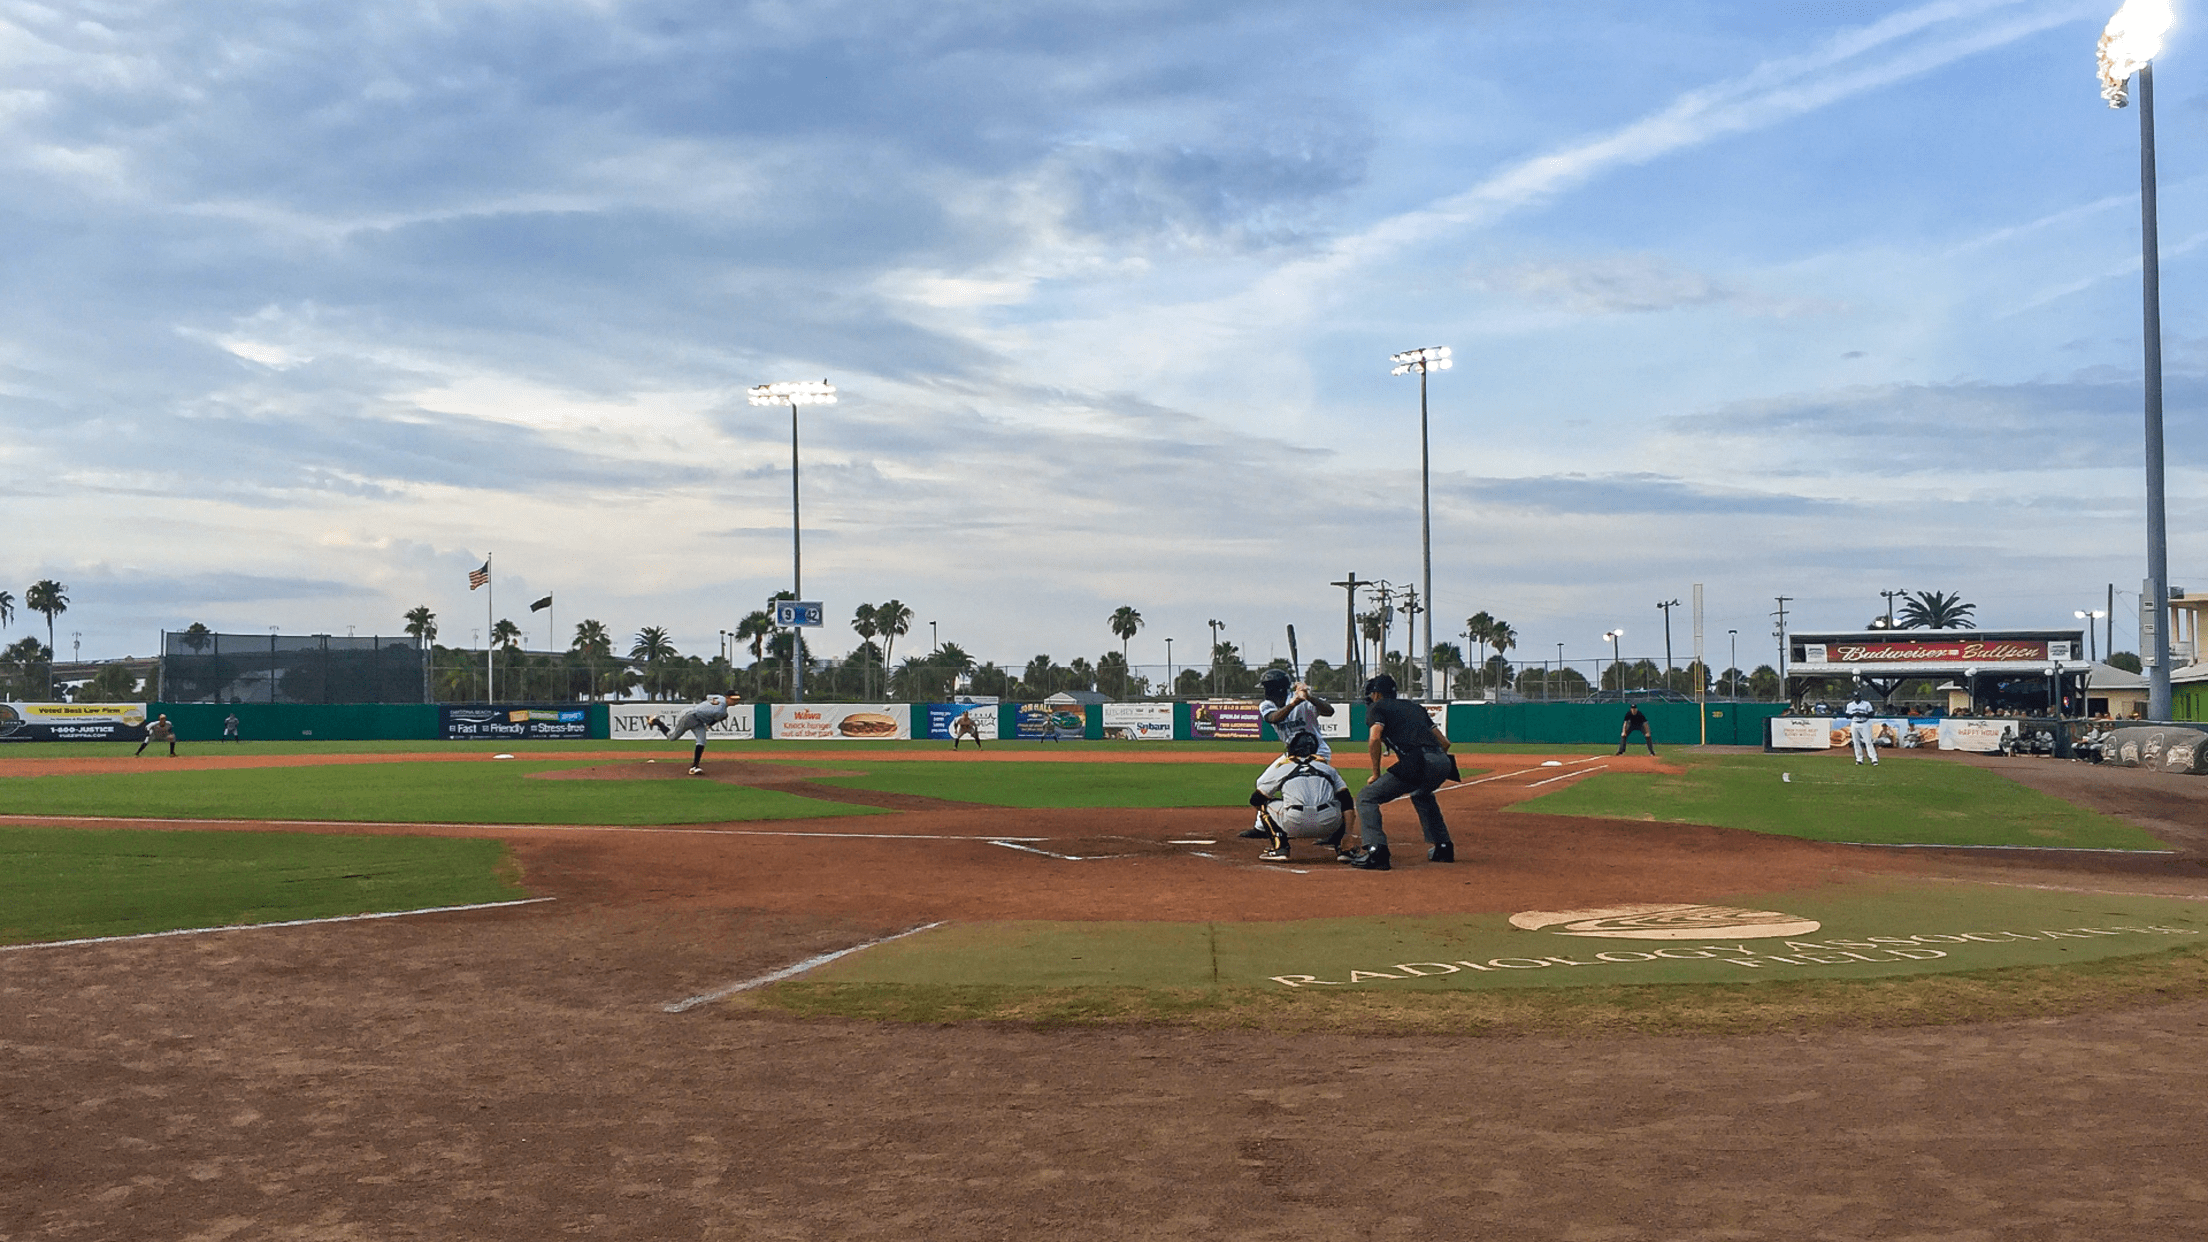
(205, 667)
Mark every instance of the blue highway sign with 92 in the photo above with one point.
(797, 612)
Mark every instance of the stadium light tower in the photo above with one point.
(1421, 362)
(2092, 639)
(1616, 661)
(2129, 44)
(794, 394)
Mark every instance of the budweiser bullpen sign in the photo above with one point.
(1962, 651)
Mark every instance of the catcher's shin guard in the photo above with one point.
(1273, 829)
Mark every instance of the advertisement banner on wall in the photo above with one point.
(1832, 732)
(1984, 736)
(1337, 725)
(1138, 722)
(1226, 720)
(941, 716)
(1037, 720)
(632, 722)
(72, 722)
(842, 722)
(512, 724)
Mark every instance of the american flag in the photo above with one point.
(479, 577)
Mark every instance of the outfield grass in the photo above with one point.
(408, 793)
(63, 884)
(1906, 800)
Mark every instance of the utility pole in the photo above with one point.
(1411, 609)
(1890, 606)
(1665, 607)
(1784, 692)
(1350, 663)
(1215, 628)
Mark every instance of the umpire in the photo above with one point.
(1422, 763)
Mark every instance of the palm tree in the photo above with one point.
(756, 628)
(1926, 610)
(653, 647)
(1374, 626)
(51, 598)
(7, 607)
(862, 621)
(892, 621)
(1125, 621)
(420, 622)
(1446, 657)
(594, 642)
(953, 659)
(1502, 638)
(198, 637)
(1479, 627)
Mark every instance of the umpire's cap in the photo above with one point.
(1303, 745)
(1383, 685)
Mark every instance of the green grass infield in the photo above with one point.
(1905, 800)
(1856, 951)
(407, 793)
(65, 884)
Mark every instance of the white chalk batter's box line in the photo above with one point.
(377, 823)
(243, 927)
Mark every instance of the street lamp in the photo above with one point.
(2092, 645)
(1169, 687)
(934, 637)
(2129, 44)
(1890, 597)
(1420, 362)
(795, 393)
(1734, 663)
(1216, 626)
(1617, 661)
(1666, 606)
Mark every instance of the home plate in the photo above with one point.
(1192, 843)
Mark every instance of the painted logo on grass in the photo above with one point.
(1666, 922)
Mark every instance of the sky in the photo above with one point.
(310, 309)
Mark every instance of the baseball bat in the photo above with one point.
(1295, 662)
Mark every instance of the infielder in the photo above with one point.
(697, 721)
(1301, 795)
(1861, 732)
(156, 733)
(963, 728)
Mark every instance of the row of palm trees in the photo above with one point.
(50, 599)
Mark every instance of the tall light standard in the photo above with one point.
(1890, 597)
(1733, 665)
(1422, 361)
(1559, 683)
(1215, 628)
(1169, 687)
(793, 394)
(1617, 661)
(2129, 44)
(2092, 645)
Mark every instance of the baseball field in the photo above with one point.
(415, 990)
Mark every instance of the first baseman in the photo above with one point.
(1861, 731)
(697, 721)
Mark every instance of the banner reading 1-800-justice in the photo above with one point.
(72, 722)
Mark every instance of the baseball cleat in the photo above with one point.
(1374, 859)
(1279, 855)
(1444, 852)
(697, 771)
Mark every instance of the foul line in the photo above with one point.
(1567, 776)
(382, 823)
(204, 931)
(707, 998)
(2029, 849)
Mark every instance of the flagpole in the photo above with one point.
(490, 639)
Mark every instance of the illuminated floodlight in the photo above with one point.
(1420, 361)
(794, 392)
(2131, 40)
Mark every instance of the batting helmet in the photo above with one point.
(1275, 682)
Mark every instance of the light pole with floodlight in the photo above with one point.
(795, 393)
(1422, 361)
(1616, 661)
(2092, 640)
(2129, 44)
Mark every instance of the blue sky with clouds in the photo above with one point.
(309, 309)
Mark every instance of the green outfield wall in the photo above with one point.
(292, 722)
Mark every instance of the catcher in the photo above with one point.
(1301, 795)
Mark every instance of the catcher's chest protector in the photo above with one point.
(1307, 802)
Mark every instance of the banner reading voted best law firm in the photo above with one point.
(72, 722)
(512, 724)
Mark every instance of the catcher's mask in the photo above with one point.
(1383, 685)
(1303, 746)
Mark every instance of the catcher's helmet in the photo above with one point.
(1303, 745)
(1383, 685)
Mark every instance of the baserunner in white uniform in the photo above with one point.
(1301, 795)
(697, 721)
(1861, 732)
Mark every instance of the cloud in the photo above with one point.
(1629, 284)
